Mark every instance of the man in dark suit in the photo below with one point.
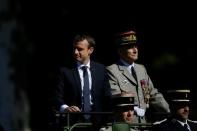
(71, 94)
(178, 121)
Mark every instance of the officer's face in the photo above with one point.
(129, 53)
(128, 116)
(183, 112)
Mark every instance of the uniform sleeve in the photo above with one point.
(157, 100)
(114, 85)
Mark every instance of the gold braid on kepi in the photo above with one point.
(125, 38)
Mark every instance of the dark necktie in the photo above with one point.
(133, 73)
(186, 127)
(135, 77)
(86, 93)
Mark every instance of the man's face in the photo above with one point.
(82, 52)
(128, 116)
(129, 52)
(182, 112)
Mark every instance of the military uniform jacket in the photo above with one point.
(121, 80)
(173, 125)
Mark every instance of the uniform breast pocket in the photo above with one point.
(125, 85)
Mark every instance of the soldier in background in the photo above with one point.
(123, 108)
(178, 121)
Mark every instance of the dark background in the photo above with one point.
(166, 32)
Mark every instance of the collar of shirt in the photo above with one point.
(182, 123)
(127, 65)
(79, 65)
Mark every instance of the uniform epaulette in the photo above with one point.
(159, 122)
(192, 121)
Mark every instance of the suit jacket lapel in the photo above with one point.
(77, 79)
(177, 125)
(93, 75)
(192, 126)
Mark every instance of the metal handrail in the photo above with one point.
(69, 127)
(80, 124)
(57, 114)
(141, 125)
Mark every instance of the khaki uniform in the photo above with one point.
(121, 80)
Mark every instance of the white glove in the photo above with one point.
(140, 112)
